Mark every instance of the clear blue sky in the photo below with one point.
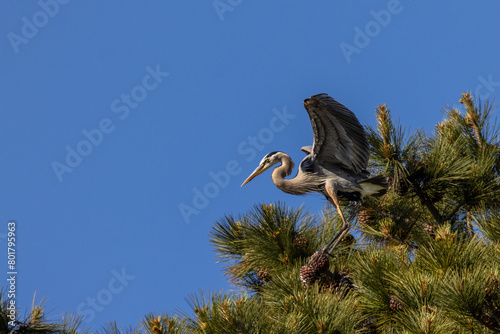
(116, 114)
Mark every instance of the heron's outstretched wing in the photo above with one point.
(339, 138)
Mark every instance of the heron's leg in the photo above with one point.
(332, 193)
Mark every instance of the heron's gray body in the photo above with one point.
(350, 186)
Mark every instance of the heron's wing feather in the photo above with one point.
(339, 138)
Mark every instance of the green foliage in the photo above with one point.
(488, 222)
(113, 328)
(36, 321)
(263, 242)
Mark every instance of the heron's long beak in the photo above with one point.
(259, 170)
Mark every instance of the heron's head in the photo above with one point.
(267, 162)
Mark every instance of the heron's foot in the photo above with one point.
(324, 251)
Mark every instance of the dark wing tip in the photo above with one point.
(319, 99)
(315, 98)
(319, 95)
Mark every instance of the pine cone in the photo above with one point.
(365, 216)
(430, 230)
(491, 289)
(308, 275)
(319, 261)
(489, 321)
(491, 316)
(301, 242)
(263, 275)
(395, 304)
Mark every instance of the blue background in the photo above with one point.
(230, 64)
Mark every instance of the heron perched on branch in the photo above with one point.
(335, 165)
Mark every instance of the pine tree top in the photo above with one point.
(423, 258)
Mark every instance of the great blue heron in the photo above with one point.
(335, 164)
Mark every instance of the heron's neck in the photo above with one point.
(279, 174)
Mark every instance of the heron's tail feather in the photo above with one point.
(374, 186)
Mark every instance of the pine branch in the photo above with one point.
(455, 210)
(424, 199)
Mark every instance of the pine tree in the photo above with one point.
(424, 258)
(36, 321)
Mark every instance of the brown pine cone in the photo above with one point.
(430, 230)
(395, 304)
(365, 216)
(308, 275)
(319, 261)
(263, 275)
(301, 242)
